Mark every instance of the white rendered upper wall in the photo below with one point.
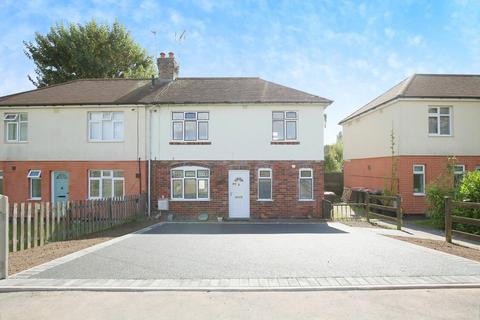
(61, 133)
(241, 132)
(368, 135)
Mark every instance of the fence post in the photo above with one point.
(367, 201)
(399, 213)
(448, 219)
(3, 237)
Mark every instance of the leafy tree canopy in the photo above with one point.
(334, 155)
(87, 51)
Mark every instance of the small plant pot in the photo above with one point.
(219, 219)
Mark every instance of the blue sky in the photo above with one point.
(347, 51)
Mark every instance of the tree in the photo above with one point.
(87, 51)
(334, 155)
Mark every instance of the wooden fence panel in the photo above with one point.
(22, 226)
(42, 226)
(29, 225)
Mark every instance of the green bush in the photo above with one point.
(436, 194)
(469, 190)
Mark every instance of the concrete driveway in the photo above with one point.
(266, 253)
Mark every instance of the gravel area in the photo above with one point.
(443, 246)
(26, 259)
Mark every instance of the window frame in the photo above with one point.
(285, 120)
(34, 175)
(264, 178)
(2, 182)
(100, 187)
(423, 179)
(300, 178)
(456, 173)
(438, 115)
(17, 121)
(183, 122)
(184, 178)
(101, 121)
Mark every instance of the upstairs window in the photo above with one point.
(105, 184)
(190, 183)
(16, 127)
(35, 184)
(264, 184)
(458, 173)
(419, 179)
(439, 121)
(284, 125)
(105, 126)
(306, 184)
(190, 126)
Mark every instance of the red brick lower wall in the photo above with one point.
(374, 173)
(16, 184)
(285, 192)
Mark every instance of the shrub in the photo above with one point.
(441, 187)
(469, 190)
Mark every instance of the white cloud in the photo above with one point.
(415, 40)
(389, 32)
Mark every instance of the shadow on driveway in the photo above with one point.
(242, 228)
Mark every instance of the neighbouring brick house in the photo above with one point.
(235, 147)
(433, 117)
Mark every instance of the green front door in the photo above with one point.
(60, 186)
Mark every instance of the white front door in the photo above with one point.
(239, 193)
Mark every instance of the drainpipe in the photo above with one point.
(149, 194)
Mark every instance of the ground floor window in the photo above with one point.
(458, 173)
(1, 182)
(35, 184)
(264, 184)
(419, 179)
(105, 184)
(190, 183)
(306, 184)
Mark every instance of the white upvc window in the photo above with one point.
(105, 126)
(265, 184)
(284, 125)
(419, 179)
(35, 184)
(105, 184)
(1, 182)
(439, 120)
(190, 126)
(305, 184)
(190, 183)
(16, 127)
(458, 173)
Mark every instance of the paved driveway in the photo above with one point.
(234, 250)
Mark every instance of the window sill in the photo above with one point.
(190, 142)
(440, 135)
(264, 200)
(106, 141)
(419, 194)
(16, 142)
(189, 200)
(306, 200)
(34, 199)
(284, 142)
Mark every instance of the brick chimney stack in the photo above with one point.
(167, 67)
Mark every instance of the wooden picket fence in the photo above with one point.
(35, 224)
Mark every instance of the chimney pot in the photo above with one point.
(167, 67)
(162, 54)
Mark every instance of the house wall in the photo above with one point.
(285, 192)
(375, 173)
(241, 132)
(368, 136)
(16, 183)
(61, 133)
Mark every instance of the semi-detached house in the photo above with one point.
(433, 117)
(235, 147)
